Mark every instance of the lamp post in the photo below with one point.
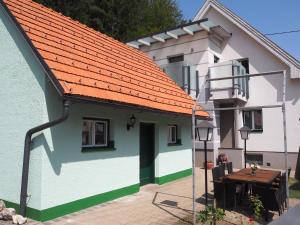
(204, 131)
(245, 135)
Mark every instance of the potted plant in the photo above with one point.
(209, 165)
(253, 167)
(210, 215)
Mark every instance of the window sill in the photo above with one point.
(178, 143)
(110, 147)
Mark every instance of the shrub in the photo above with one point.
(210, 215)
(256, 206)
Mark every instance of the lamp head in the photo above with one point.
(245, 132)
(204, 131)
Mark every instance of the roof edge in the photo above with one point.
(168, 29)
(289, 59)
(78, 98)
(47, 70)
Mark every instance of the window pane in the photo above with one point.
(174, 134)
(174, 59)
(247, 119)
(100, 133)
(87, 131)
(169, 134)
(257, 117)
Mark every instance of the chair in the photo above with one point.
(224, 192)
(282, 186)
(270, 197)
(217, 173)
(222, 169)
(229, 167)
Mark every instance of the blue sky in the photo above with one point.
(268, 16)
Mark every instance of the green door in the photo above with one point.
(146, 153)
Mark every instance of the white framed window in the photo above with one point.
(176, 58)
(253, 119)
(95, 132)
(172, 134)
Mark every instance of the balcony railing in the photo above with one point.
(186, 76)
(227, 89)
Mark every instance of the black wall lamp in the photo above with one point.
(131, 122)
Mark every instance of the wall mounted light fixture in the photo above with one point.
(131, 122)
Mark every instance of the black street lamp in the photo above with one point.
(245, 135)
(204, 131)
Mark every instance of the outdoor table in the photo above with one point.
(261, 176)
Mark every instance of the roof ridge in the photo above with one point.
(260, 35)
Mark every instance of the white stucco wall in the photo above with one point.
(263, 90)
(194, 48)
(22, 106)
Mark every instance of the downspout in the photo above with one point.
(26, 157)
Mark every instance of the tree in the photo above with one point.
(121, 19)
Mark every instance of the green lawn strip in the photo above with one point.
(294, 188)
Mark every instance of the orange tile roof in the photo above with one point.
(90, 64)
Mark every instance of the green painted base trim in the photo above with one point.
(31, 212)
(61, 210)
(173, 176)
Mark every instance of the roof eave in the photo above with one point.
(85, 99)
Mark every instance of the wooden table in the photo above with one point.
(261, 176)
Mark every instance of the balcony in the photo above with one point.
(186, 76)
(228, 90)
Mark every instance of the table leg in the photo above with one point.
(224, 196)
(267, 215)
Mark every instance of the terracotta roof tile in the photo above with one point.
(90, 64)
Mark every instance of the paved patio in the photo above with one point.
(154, 204)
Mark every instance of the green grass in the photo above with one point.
(294, 188)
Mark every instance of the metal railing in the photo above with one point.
(238, 86)
(186, 76)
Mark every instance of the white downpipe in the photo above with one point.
(285, 136)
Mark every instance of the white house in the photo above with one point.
(218, 43)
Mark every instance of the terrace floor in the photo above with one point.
(154, 204)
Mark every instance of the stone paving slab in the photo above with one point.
(153, 205)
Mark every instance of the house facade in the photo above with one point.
(116, 120)
(218, 44)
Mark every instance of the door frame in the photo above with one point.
(232, 126)
(153, 151)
